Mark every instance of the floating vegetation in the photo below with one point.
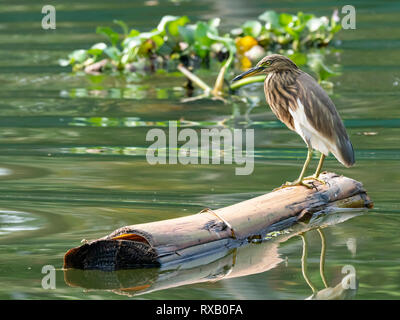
(177, 44)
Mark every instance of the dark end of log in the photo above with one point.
(111, 255)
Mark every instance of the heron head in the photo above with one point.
(271, 63)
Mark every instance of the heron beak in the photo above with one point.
(249, 73)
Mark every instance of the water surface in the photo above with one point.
(72, 150)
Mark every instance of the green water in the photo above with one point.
(73, 166)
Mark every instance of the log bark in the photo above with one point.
(228, 263)
(172, 241)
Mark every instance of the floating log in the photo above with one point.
(248, 259)
(172, 241)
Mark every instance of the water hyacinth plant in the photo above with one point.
(178, 44)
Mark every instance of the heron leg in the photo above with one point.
(299, 181)
(322, 258)
(319, 168)
(304, 264)
(305, 166)
(317, 171)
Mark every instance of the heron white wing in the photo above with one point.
(306, 130)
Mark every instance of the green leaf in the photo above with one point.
(214, 23)
(303, 18)
(173, 26)
(95, 52)
(315, 24)
(113, 53)
(228, 42)
(294, 33)
(97, 49)
(133, 33)
(201, 50)
(335, 29)
(187, 33)
(109, 33)
(252, 28)
(285, 19)
(123, 25)
(126, 57)
(149, 35)
(271, 18)
(163, 22)
(165, 49)
(200, 34)
(237, 32)
(78, 56)
(129, 53)
(158, 40)
(100, 46)
(130, 43)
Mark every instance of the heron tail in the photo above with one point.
(345, 152)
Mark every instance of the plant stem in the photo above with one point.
(219, 82)
(246, 81)
(200, 83)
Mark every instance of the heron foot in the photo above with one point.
(315, 179)
(297, 182)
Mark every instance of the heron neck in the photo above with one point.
(284, 77)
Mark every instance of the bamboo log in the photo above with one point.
(226, 264)
(172, 241)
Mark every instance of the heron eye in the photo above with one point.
(267, 63)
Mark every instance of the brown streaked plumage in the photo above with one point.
(300, 103)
